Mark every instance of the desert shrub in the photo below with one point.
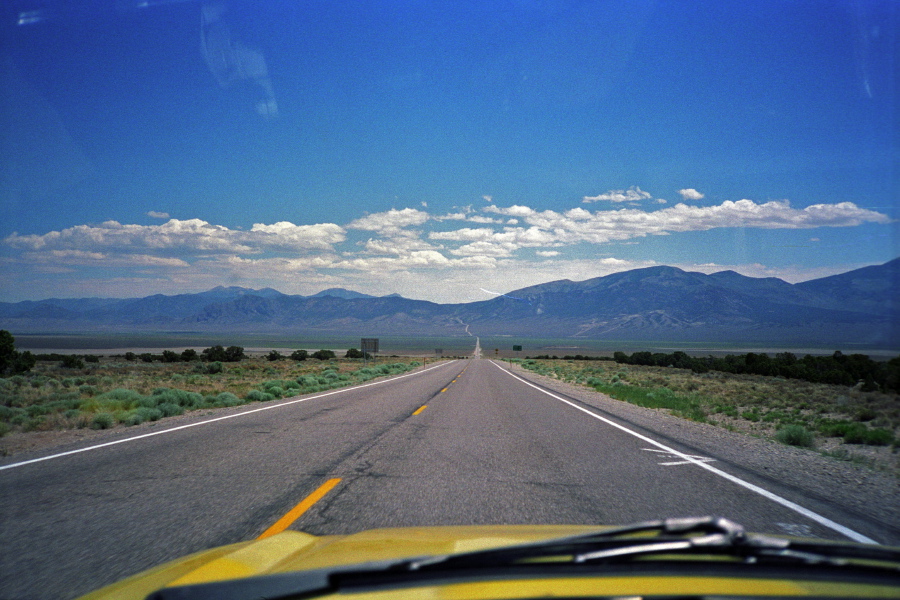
(170, 409)
(274, 355)
(857, 433)
(149, 414)
(277, 387)
(225, 399)
(323, 354)
(139, 415)
(329, 375)
(831, 428)
(854, 433)
(127, 398)
(209, 368)
(4, 429)
(220, 354)
(102, 420)
(878, 437)
(182, 398)
(133, 418)
(795, 435)
(34, 423)
(307, 381)
(258, 396)
(299, 355)
(36, 410)
(71, 362)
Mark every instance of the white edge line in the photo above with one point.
(240, 414)
(853, 535)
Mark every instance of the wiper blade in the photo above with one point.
(572, 544)
(685, 536)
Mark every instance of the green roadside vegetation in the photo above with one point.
(792, 411)
(86, 391)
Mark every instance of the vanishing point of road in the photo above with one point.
(456, 442)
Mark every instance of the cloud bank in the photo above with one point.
(438, 256)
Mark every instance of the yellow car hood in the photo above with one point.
(292, 551)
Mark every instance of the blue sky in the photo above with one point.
(440, 149)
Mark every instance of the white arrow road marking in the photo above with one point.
(693, 459)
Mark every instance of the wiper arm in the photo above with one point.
(750, 548)
(571, 544)
(673, 536)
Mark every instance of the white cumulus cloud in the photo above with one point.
(287, 236)
(391, 221)
(192, 236)
(632, 194)
(690, 194)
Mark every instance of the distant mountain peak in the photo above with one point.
(340, 293)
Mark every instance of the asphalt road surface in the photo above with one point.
(459, 442)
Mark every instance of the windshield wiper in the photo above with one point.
(685, 536)
(701, 536)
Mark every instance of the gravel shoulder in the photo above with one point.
(858, 486)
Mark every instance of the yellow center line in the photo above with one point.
(294, 514)
(420, 409)
(443, 390)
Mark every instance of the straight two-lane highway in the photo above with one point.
(460, 442)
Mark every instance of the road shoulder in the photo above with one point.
(854, 486)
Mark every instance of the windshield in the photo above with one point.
(609, 197)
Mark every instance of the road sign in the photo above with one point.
(517, 348)
(369, 345)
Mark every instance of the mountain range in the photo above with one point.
(663, 304)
